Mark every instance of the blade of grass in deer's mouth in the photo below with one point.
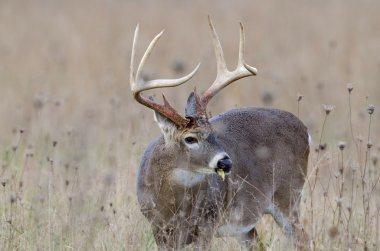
(221, 174)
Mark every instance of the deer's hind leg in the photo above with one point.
(285, 212)
(251, 241)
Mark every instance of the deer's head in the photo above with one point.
(192, 134)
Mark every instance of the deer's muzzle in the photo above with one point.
(223, 166)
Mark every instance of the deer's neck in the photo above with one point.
(187, 178)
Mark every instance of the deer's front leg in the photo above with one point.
(203, 243)
(205, 217)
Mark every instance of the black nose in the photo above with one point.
(225, 164)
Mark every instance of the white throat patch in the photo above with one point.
(187, 178)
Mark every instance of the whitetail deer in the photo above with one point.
(181, 185)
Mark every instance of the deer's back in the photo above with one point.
(261, 128)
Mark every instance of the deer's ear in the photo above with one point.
(194, 106)
(166, 125)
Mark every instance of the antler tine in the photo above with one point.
(241, 61)
(138, 84)
(132, 74)
(136, 79)
(147, 54)
(241, 45)
(220, 62)
(225, 77)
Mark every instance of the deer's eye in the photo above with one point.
(191, 140)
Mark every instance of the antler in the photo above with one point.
(138, 84)
(225, 77)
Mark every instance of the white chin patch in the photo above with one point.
(216, 158)
(187, 178)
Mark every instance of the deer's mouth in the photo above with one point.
(220, 164)
(220, 172)
(223, 166)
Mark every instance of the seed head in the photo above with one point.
(328, 108)
(267, 97)
(370, 109)
(29, 154)
(349, 209)
(341, 170)
(39, 100)
(339, 201)
(333, 232)
(178, 66)
(12, 198)
(323, 147)
(299, 97)
(375, 159)
(146, 76)
(3, 181)
(350, 87)
(369, 145)
(341, 145)
(354, 168)
(359, 139)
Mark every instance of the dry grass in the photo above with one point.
(71, 136)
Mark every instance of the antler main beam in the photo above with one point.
(138, 84)
(225, 77)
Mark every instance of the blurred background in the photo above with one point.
(65, 95)
(68, 61)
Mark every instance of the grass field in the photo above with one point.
(71, 135)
